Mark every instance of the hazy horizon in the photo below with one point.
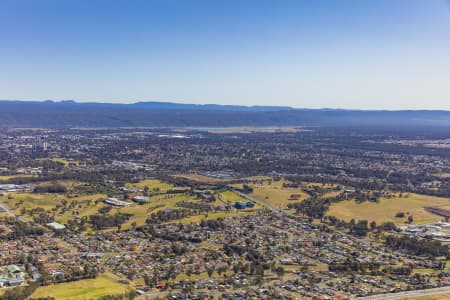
(388, 54)
(219, 104)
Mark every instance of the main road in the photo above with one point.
(12, 212)
(409, 294)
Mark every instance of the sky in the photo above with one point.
(357, 54)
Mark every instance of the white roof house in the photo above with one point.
(56, 226)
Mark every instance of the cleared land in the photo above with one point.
(104, 284)
(386, 209)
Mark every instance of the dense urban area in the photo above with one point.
(223, 213)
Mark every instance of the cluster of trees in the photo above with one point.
(417, 246)
(178, 248)
(250, 253)
(19, 293)
(246, 189)
(216, 224)
(361, 197)
(106, 221)
(21, 229)
(361, 227)
(401, 214)
(168, 215)
(105, 209)
(311, 207)
(352, 265)
(398, 270)
(196, 206)
(130, 295)
(55, 188)
(71, 274)
(77, 224)
(41, 216)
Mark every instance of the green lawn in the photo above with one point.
(104, 284)
(151, 184)
(231, 197)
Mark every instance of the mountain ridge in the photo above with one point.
(69, 113)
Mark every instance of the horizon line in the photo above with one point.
(68, 101)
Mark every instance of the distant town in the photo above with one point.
(237, 213)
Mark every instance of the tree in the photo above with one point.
(210, 271)
(279, 271)
(400, 214)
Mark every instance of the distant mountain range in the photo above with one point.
(68, 113)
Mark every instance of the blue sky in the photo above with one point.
(384, 54)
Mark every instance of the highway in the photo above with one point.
(409, 294)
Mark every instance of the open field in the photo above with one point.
(104, 284)
(386, 209)
(8, 177)
(5, 214)
(152, 184)
(162, 202)
(30, 200)
(66, 162)
(84, 205)
(213, 216)
(230, 197)
(200, 178)
(276, 194)
(156, 203)
(443, 175)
